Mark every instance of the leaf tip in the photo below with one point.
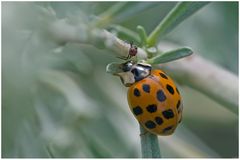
(188, 50)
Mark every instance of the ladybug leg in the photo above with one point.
(122, 57)
(125, 58)
(144, 133)
(129, 56)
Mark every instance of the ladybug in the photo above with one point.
(152, 97)
(131, 52)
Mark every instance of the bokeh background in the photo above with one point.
(58, 101)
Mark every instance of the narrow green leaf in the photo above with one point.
(113, 9)
(178, 14)
(171, 55)
(131, 35)
(133, 9)
(142, 34)
(106, 17)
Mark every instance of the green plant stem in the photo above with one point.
(149, 144)
(63, 33)
(127, 32)
(180, 12)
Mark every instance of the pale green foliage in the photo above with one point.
(171, 55)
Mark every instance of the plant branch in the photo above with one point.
(194, 71)
(63, 32)
(206, 77)
(149, 144)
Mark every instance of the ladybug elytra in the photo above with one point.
(152, 97)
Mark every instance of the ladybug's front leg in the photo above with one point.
(143, 133)
(125, 58)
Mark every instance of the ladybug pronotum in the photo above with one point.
(152, 97)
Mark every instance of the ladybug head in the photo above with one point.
(134, 72)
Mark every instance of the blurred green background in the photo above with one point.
(58, 101)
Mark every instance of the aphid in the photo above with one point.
(152, 97)
(131, 52)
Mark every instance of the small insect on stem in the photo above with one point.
(131, 53)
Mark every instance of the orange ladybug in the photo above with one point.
(152, 97)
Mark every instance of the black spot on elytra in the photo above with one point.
(136, 92)
(170, 89)
(168, 114)
(161, 96)
(180, 120)
(158, 120)
(137, 110)
(146, 88)
(177, 91)
(167, 128)
(150, 124)
(152, 108)
(163, 75)
(178, 105)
